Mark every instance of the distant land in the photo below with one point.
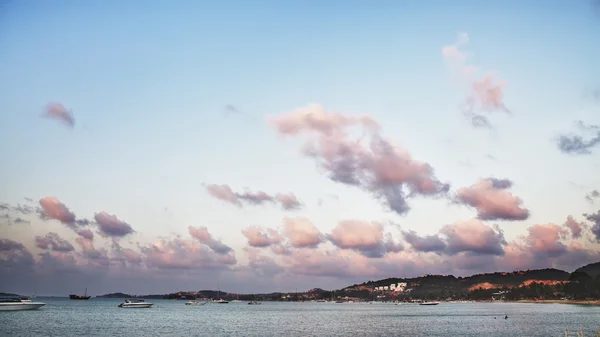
(543, 285)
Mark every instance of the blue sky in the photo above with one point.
(148, 83)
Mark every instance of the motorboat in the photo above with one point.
(14, 304)
(429, 303)
(135, 303)
(195, 303)
(254, 303)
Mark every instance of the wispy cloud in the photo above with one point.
(287, 201)
(371, 162)
(486, 94)
(58, 112)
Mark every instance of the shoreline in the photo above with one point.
(577, 302)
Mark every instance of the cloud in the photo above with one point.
(429, 243)
(128, 255)
(179, 253)
(53, 242)
(86, 234)
(58, 112)
(474, 237)
(492, 200)
(544, 239)
(19, 220)
(486, 94)
(301, 232)
(13, 255)
(470, 236)
(575, 227)
(111, 226)
(287, 201)
(593, 195)
(91, 253)
(364, 237)
(262, 265)
(52, 208)
(259, 237)
(577, 144)
(371, 162)
(202, 235)
(595, 220)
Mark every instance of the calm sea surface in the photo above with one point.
(101, 317)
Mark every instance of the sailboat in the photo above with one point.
(220, 300)
(237, 299)
(79, 297)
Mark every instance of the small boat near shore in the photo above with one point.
(135, 303)
(16, 304)
(254, 303)
(193, 302)
(429, 303)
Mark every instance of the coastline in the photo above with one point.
(578, 302)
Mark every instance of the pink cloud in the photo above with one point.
(371, 162)
(545, 239)
(126, 255)
(54, 242)
(52, 208)
(575, 227)
(301, 232)
(89, 251)
(492, 200)
(287, 201)
(111, 225)
(486, 94)
(362, 236)
(473, 236)
(262, 265)
(202, 235)
(86, 234)
(259, 237)
(59, 112)
(184, 254)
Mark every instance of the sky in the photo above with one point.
(151, 147)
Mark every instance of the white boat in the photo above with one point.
(221, 301)
(14, 304)
(195, 303)
(135, 303)
(429, 303)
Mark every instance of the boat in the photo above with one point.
(195, 303)
(254, 303)
(14, 304)
(135, 303)
(79, 297)
(220, 301)
(429, 303)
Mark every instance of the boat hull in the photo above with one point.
(77, 297)
(135, 305)
(20, 306)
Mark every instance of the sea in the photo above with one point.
(102, 317)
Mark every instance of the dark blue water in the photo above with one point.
(101, 317)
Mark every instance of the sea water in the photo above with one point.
(102, 317)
